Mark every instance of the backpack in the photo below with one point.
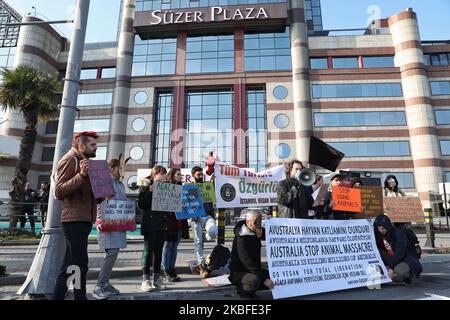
(218, 258)
(414, 241)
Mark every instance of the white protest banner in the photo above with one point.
(219, 281)
(167, 197)
(239, 187)
(314, 256)
(186, 175)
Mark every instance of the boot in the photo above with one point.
(173, 276)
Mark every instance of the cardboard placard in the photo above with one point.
(167, 197)
(371, 202)
(207, 191)
(319, 194)
(404, 209)
(101, 181)
(346, 199)
(117, 215)
(192, 203)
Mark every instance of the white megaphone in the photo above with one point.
(307, 177)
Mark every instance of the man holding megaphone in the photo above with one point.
(295, 192)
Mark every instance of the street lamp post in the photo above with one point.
(42, 276)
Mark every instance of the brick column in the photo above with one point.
(424, 144)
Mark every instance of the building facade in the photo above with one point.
(252, 81)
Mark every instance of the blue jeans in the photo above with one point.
(170, 248)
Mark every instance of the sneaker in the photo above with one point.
(111, 290)
(147, 286)
(173, 276)
(159, 284)
(99, 293)
(164, 274)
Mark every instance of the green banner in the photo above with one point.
(206, 190)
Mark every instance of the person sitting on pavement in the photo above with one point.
(246, 271)
(110, 242)
(396, 251)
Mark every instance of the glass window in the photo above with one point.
(345, 63)
(95, 99)
(48, 153)
(441, 59)
(97, 125)
(136, 153)
(440, 87)
(210, 124)
(356, 90)
(281, 120)
(319, 63)
(257, 129)
(405, 179)
(359, 119)
(373, 148)
(154, 56)
(210, 53)
(87, 74)
(147, 5)
(138, 124)
(280, 92)
(442, 116)
(445, 147)
(283, 151)
(378, 62)
(140, 97)
(163, 125)
(108, 73)
(267, 51)
(51, 127)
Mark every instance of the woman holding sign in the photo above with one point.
(153, 228)
(175, 230)
(111, 242)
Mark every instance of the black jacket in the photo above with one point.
(246, 254)
(43, 199)
(397, 239)
(294, 199)
(152, 221)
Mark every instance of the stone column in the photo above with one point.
(300, 79)
(121, 98)
(419, 111)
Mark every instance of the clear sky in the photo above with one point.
(434, 15)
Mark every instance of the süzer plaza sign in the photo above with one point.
(215, 14)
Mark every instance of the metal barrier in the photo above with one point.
(429, 227)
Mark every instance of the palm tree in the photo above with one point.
(34, 94)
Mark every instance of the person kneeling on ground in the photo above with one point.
(397, 253)
(246, 272)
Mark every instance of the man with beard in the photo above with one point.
(79, 206)
(208, 223)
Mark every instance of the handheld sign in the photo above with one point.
(101, 182)
(192, 203)
(207, 191)
(167, 197)
(118, 215)
(346, 199)
(404, 209)
(371, 202)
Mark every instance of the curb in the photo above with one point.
(443, 250)
(19, 278)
